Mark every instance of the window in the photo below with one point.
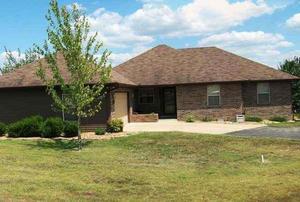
(263, 93)
(146, 96)
(213, 95)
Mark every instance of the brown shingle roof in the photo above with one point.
(26, 75)
(164, 65)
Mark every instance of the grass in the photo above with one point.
(285, 124)
(151, 167)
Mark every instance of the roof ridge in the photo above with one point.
(204, 47)
(144, 53)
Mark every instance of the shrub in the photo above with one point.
(28, 127)
(115, 126)
(15, 129)
(100, 131)
(3, 129)
(278, 119)
(70, 129)
(190, 118)
(253, 119)
(52, 127)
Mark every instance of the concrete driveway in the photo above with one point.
(235, 129)
(197, 127)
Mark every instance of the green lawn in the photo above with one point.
(152, 167)
(285, 124)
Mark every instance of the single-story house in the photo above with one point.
(163, 82)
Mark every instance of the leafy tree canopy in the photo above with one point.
(292, 66)
(69, 35)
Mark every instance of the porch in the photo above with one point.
(144, 104)
(151, 102)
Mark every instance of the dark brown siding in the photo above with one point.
(102, 116)
(18, 103)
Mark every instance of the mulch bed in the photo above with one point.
(86, 136)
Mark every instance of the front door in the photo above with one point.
(169, 101)
(121, 106)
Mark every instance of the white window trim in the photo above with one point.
(207, 101)
(263, 93)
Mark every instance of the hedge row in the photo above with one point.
(36, 126)
(3, 129)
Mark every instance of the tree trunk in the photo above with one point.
(79, 133)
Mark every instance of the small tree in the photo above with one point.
(293, 67)
(68, 35)
(16, 60)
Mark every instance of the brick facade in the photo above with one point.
(236, 98)
(281, 100)
(192, 99)
(144, 118)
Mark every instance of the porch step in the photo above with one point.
(91, 127)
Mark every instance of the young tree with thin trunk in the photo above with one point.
(69, 35)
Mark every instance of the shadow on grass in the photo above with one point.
(62, 145)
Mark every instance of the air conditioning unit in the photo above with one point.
(240, 118)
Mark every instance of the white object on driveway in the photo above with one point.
(240, 118)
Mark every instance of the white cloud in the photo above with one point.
(113, 30)
(2, 58)
(155, 19)
(77, 5)
(288, 56)
(211, 16)
(260, 46)
(16, 54)
(118, 58)
(294, 21)
(200, 17)
(151, 1)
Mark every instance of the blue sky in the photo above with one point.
(267, 31)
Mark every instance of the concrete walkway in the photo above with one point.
(196, 127)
